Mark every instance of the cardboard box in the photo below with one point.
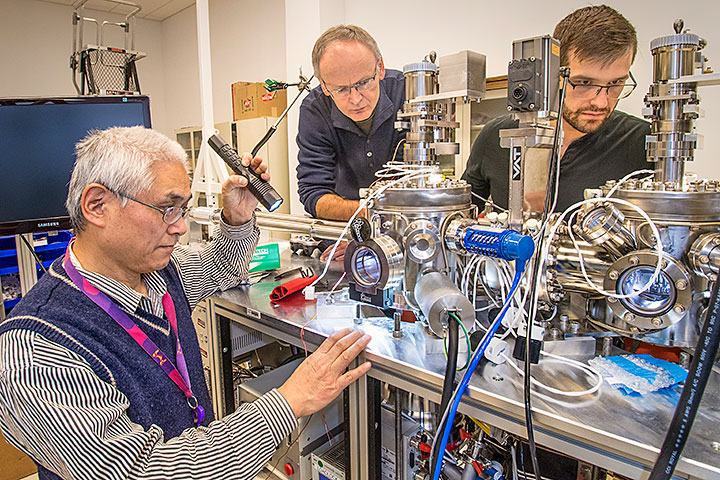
(251, 100)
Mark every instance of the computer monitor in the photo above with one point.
(37, 148)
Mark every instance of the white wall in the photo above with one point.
(305, 21)
(407, 30)
(247, 41)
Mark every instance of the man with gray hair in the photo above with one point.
(346, 129)
(100, 372)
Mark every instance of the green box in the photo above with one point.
(266, 257)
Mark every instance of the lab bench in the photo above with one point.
(608, 429)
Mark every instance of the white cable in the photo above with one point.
(564, 361)
(626, 178)
(658, 245)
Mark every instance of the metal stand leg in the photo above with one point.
(358, 438)
(26, 263)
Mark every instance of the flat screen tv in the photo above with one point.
(37, 153)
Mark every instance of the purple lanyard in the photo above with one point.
(178, 375)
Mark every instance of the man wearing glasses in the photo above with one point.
(346, 129)
(100, 372)
(599, 143)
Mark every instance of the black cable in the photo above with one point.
(692, 392)
(34, 253)
(449, 383)
(549, 200)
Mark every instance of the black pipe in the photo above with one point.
(692, 392)
(449, 383)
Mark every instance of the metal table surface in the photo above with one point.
(617, 432)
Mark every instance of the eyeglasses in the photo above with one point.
(170, 214)
(586, 91)
(343, 93)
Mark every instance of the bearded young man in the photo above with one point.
(599, 143)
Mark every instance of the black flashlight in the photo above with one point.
(262, 190)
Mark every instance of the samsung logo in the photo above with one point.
(49, 224)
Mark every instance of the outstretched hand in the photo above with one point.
(322, 376)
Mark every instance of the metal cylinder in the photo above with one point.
(420, 79)
(672, 107)
(603, 225)
(437, 296)
(296, 224)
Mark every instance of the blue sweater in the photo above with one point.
(60, 312)
(335, 156)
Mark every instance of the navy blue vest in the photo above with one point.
(57, 310)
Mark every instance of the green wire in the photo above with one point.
(467, 339)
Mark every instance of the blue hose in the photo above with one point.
(519, 269)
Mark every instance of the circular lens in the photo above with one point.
(172, 215)
(366, 267)
(656, 300)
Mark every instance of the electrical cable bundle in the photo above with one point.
(449, 414)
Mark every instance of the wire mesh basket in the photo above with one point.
(109, 69)
(97, 68)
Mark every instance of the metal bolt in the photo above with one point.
(681, 284)
(412, 226)
(629, 317)
(612, 300)
(531, 106)
(509, 108)
(656, 321)
(556, 334)
(679, 308)
(397, 331)
(634, 260)
(575, 326)
(607, 346)
(715, 241)
(716, 446)
(532, 59)
(226, 349)
(613, 275)
(704, 259)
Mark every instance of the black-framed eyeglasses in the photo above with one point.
(622, 90)
(170, 214)
(362, 86)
